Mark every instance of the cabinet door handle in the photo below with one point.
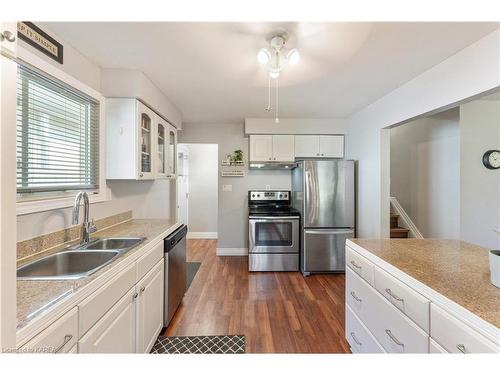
(67, 339)
(355, 297)
(389, 292)
(393, 338)
(7, 35)
(141, 174)
(143, 288)
(461, 347)
(135, 295)
(355, 339)
(356, 265)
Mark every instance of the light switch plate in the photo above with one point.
(227, 187)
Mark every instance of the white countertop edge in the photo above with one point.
(54, 312)
(469, 318)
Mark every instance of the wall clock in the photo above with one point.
(491, 159)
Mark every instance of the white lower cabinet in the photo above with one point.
(59, 337)
(385, 314)
(358, 336)
(115, 331)
(149, 309)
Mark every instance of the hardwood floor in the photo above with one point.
(278, 312)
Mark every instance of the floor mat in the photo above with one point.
(191, 270)
(227, 344)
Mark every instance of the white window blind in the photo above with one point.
(57, 135)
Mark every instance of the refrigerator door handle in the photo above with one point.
(329, 231)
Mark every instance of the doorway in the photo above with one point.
(197, 189)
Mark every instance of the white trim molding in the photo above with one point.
(231, 251)
(202, 235)
(407, 222)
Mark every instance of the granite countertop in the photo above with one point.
(35, 297)
(455, 269)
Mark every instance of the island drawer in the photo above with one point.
(59, 337)
(411, 303)
(457, 337)
(393, 330)
(359, 337)
(360, 265)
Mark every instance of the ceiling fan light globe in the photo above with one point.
(263, 56)
(293, 56)
(274, 73)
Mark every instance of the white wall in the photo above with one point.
(470, 72)
(232, 211)
(203, 192)
(480, 187)
(147, 199)
(295, 126)
(425, 173)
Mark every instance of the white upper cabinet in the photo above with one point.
(307, 146)
(331, 146)
(283, 148)
(269, 148)
(140, 143)
(261, 148)
(319, 146)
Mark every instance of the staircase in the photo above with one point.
(396, 230)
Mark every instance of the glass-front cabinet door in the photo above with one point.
(161, 150)
(172, 152)
(145, 170)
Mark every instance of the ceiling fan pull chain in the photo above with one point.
(277, 120)
(268, 108)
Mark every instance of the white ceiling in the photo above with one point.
(209, 70)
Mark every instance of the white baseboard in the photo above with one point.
(232, 251)
(202, 235)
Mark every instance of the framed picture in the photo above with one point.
(40, 40)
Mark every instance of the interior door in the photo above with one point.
(329, 194)
(324, 250)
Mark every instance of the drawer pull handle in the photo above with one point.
(393, 338)
(135, 295)
(143, 289)
(67, 339)
(355, 339)
(355, 297)
(355, 265)
(389, 292)
(461, 347)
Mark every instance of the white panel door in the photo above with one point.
(115, 332)
(331, 146)
(307, 146)
(283, 148)
(261, 148)
(150, 308)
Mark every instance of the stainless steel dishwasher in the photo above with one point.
(175, 272)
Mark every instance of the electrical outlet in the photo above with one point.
(227, 187)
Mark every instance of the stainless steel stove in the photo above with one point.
(273, 231)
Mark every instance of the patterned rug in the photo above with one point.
(230, 344)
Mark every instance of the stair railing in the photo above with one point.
(405, 219)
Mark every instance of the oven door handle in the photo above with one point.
(256, 218)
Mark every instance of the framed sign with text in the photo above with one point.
(40, 40)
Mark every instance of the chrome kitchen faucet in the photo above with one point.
(87, 226)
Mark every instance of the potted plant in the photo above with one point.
(237, 157)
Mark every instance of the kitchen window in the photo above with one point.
(58, 145)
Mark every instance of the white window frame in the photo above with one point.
(66, 199)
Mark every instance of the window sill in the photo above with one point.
(30, 207)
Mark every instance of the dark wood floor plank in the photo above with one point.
(278, 312)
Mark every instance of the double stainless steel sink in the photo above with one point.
(78, 261)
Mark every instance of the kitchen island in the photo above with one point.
(435, 295)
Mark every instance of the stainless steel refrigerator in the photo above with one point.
(324, 192)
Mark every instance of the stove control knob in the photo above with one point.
(253, 195)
